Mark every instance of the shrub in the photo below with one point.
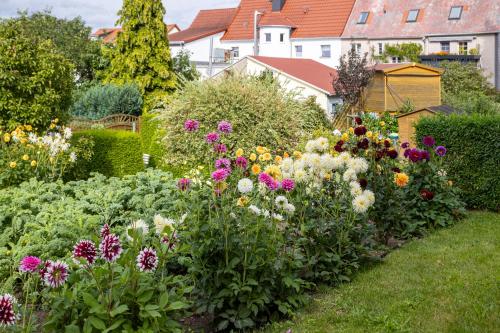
(151, 134)
(116, 153)
(459, 77)
(36, 81)
(473, 103)
(261, 113)
(473, 155)
(106, 99)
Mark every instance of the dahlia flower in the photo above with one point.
(268, 181)
(85, 249)
(426, 194)
(277, 217)
(363, 182)
(360, 130)
(392, 153)
(56, 275)
(401, 179)
(405, 145)
(337, 132)
(287, 184)
(161, 223)
(191, 125)
(356, 189)
(223, 163)
(212, 137)
(140, 226)
(220, 148)
(289, 208)
(110, 248)
(281, 201)
(370, 196)
(254, 209)
(245, 185)
(241, 162)
(105, 230)
(360, 204)
(147, 260)
(170, 242)
(225, 127)
(440, 151)
(220, 175)
(183, 184)
(29, 264)
(358, 120)
(358, 164)
(414, 155)
(428, 141)
(7, 315)
(349, 174)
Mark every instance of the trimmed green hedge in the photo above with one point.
(473, 158)
(116, 153)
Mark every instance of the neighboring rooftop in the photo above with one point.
(400, 19)
(206, 23)
(311, 18)
(109, 35)
(307, 70)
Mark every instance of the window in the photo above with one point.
(298, 51)
(380, 48)
(412, 15)
(235, 52)
(396, 60)
(463, 48)
(268, 37)
(356, 48)
(326, 51)
(363, 17)
(455, 13)
(335, 108)
(445, 47)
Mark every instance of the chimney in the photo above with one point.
(278, 5)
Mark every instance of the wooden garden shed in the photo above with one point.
(407, 121)
(394, 84)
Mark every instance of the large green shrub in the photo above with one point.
(116, 153)
(261, 112)
(107, 99)
(35, 80)
(473, 155)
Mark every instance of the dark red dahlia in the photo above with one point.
(360, 130)
(110, 248)
(147, 260)
(56, 275)
(426, 194)
(363, 183)
(86, 250)
(105, 230)
(7, 315)
(414, 155)
(428, 141)
(363, 144)
(379, 154)
(392, 153)
(358, 120)
(396, 170)
(424, 155)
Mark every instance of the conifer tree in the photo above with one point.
(142, 53)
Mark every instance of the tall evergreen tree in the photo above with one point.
(142, 53)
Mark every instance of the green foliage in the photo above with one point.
(262, 113)
(151, 135)
(406, 52)
(35, 79)
(458, 78)
(106, 99)
(314, 115)
(473, 155)
(116, 153)
(384, 124)
(472, 103)
(183, 68)
(142, 53)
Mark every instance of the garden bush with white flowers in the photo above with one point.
(236, 243)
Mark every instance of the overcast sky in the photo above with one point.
(102, 13)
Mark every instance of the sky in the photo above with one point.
(102, 13)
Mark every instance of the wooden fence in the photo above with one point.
(115, 121)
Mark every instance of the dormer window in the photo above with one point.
(455, 13)
(412, 15)
(363, 17)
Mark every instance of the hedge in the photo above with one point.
(116, 153)
(473, 157)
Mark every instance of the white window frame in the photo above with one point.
(326, 48)
(455, 16)
(416, 11)
(298, 54)
(363, 17)
(268, 37)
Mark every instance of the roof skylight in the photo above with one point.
(363, 17)
(412, 15)
(455, 13)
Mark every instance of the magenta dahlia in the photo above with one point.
(225, 127)
(223, 163)
(440, 151)
(220, 148)
(241, 162)
(405, 145)
(110, 248)
(428, 141)
(212, 137)
(269, 181)
(147, 260)
(105, 230)
(29, 264)
(287, 184)
(191, 125)
(183, 184)
(86, 250)
(220, 175)
(56, 275)
(7, 315)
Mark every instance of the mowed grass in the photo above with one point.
(448, 281)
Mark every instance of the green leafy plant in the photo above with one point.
(405, 52)
(183, 67)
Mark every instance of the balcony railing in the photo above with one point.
(435, 59)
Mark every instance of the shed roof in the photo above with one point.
(389, 68)
(441, 109)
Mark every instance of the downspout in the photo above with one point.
(210, 57)
(255, 35)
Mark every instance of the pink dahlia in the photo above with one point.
(225, 127)
(105, 230)
(56, 275)
(85, 249)
(220, 175)
(7, 315)
(287, 184)
(220, 148)
(223, 163)
(110, 248)
(183, 184)
(212, 137)
(147, 260)
(191, 125)
(241, 162)
(269, 181)
(29, 264)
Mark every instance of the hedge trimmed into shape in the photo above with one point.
(473, 157)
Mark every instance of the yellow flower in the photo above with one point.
(278, 159)
(221, 187)
(286, 155)
(297, 154)
(12, 165)
(260, 150)
(24, 141)
(450, 183)
(261, 158)
(33, 163)
(56, 120)
(6, 137)
(267, 157)
(52, 126)
(382, 123)
(256, 169)
(328, 176)
(401, 179)
(25, 157)
(369, 134)
(200, 167)
(29, 128)
(242, 201)
(51, 160)
(253, 157)
(345, 137)
(273, 171)
(239, 152)
(351, 130)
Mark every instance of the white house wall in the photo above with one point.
(199, 49)
(311, 49)
(275, 48)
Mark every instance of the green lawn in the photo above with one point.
(448, 281)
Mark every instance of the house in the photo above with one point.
(202, 40)
(464, 30)
(306, 77)
(109, 35)
(394, 84)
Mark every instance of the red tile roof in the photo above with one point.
(388, 18)
(206, 23)
(312, 18)
(387, 68)
(171, 27)
(275, 19)
(307, 70)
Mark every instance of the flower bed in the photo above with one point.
(247, 234)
